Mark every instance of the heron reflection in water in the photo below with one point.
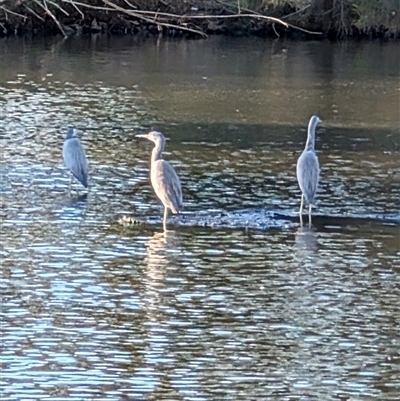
(163, 252)
(306, 243)
(164, 309)
(165, 181)
(75, 158)
(156, 261)
(308, 170)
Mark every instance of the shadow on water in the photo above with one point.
(330, 137)
(355, 222)
(77, 201)
(73, 208)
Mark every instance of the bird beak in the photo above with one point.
(141, 136)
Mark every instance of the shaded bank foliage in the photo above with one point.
(291, 18)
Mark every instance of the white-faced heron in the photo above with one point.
(75, 158)
(164, 179)
(308, 169)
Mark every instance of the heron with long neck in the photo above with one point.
(308, 169)
(165, 181)
(75, 158)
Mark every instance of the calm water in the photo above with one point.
(93, 310)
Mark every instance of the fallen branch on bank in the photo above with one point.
(182, 22)
(153, 21)
(157, 16)
(254, 14)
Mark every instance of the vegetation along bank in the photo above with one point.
(303, 19)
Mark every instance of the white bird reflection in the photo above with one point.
(73, 209)
(163, 350)
(156, 261)
(306, 244)
(158, 356)
(161, 248)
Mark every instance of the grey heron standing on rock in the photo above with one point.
(164, 179)
(308, 169)
(75, 158)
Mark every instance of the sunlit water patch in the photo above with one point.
(152, 313)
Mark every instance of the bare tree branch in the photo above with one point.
(76, 7)
(6, 10)
(87, 5)
(33, 12)
(59, 7)
(153, 21)
(51, 15)
(183, 22)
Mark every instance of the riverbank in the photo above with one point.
(297, 19)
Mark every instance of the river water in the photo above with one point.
(95, 310)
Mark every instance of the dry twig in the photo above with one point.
(130, 5)
(304, 30)
(257, 16)
(6, 10)
(140, 14)
(51, 15)
(284, 17)
(59, 7)
(79, 11)
(87, 5)
(276, 33)
(76, 7)
(157, 18)
(153, 21)
(296, 12)
(185, 16)
(33, 12)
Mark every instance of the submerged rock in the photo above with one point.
(259, 219)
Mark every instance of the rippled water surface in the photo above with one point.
(95, 310)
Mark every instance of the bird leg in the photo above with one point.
(70, 183)
(309, 215)
(165, 218)
(301, 204)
